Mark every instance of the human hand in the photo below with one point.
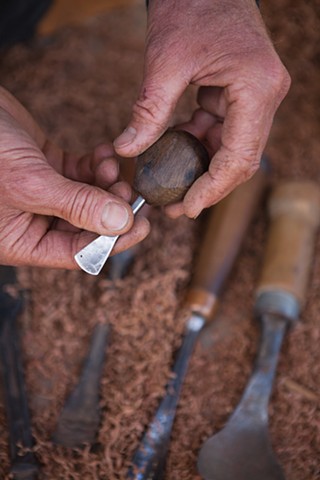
(222, 47)
(46, 200)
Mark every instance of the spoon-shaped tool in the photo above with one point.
(226, 226)
(242, 449)
(79, 420)
(164, 173)
(24, 465)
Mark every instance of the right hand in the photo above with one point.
(48, 207)
(221, 46)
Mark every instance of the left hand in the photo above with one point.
(53, 203)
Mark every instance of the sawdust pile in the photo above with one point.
(80, 85)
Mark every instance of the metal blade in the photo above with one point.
(92, 258)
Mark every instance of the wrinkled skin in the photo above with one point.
(221, 46)
(51, 201)
(48, 197)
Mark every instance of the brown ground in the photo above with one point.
(70, 82)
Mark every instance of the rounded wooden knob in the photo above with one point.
(167, 169)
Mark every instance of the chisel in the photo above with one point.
(24, 465)
(242, 449)
(226, 227)
(79, 420)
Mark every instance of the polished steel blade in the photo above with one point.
(92, 258)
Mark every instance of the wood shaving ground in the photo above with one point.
(80, 85)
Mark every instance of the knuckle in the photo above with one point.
(262, 81)
(232, 171)
(79, 207)
(278, 79)
(122, 189)
(248, 170)
(14, 248)
(152, 107)
(248, 164)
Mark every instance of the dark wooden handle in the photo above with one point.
(294, 210)
(167, 169)
(227, 224)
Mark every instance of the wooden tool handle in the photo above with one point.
(294, 210)
(167, 169)
(226, 227)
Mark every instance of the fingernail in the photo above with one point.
(114, 216)
(126, 137)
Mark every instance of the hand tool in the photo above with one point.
(23, 461)
(242, 449)
(227, 223)
(80, 418)
(164, 173)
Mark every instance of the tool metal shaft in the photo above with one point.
(149, 460)
(256, 396)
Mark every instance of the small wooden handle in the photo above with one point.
(167, 169)
(226, 227)
(294, 210)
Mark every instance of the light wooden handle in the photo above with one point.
(227, 224)
(294, 210)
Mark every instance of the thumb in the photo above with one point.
(161, 89)
(84, 206)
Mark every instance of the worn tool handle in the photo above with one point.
(294, 209)
(167, 169)
(227, 224)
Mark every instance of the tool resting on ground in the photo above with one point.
(79, 420)
(164, 173)
(227, 224)
(242, 449)
(24, 465)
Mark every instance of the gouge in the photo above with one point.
(24, 465)
(80, 418)
(227, 223)
(242, 449)
(164, 173)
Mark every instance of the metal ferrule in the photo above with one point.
(277, 302)
(195, 322)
